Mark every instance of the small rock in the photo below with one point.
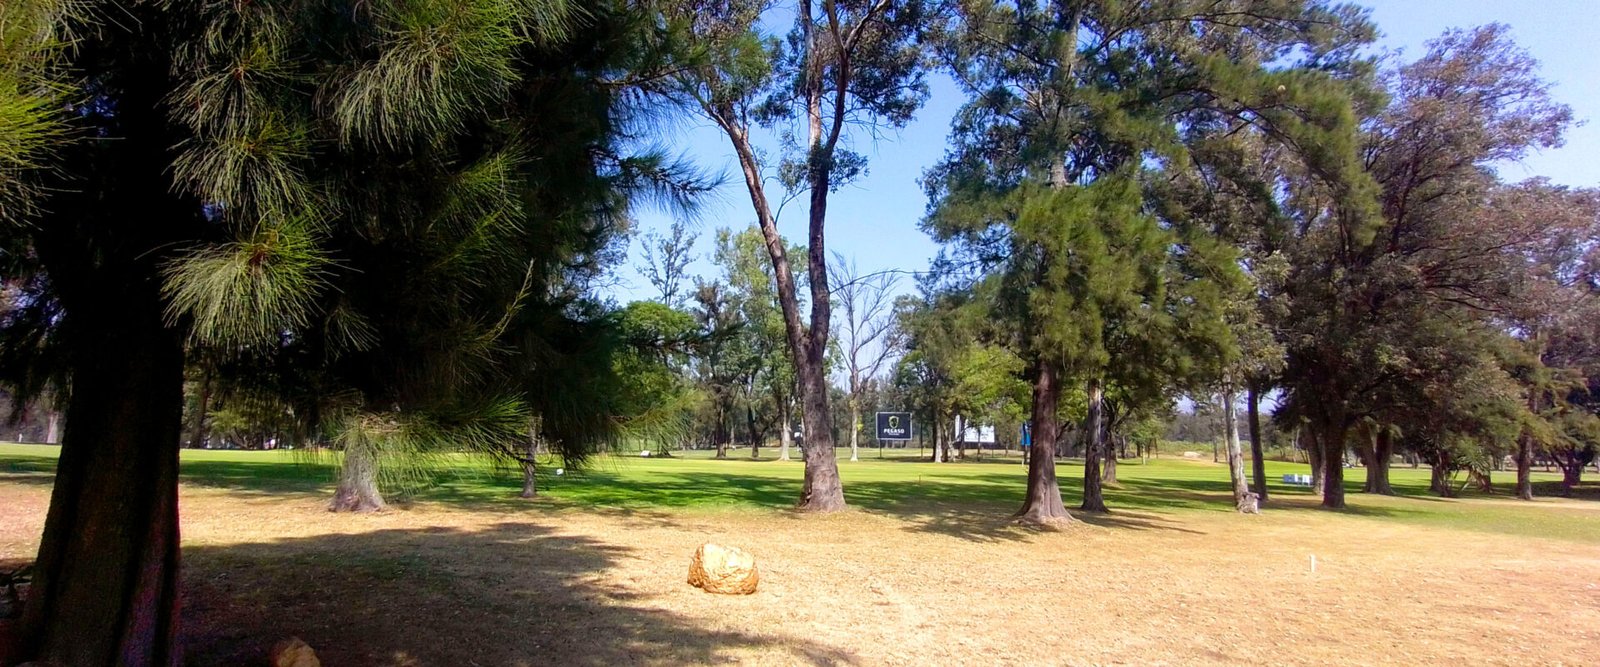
(292, 652)
(727, 570)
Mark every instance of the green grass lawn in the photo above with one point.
(898, 484)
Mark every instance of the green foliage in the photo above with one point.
(655, 402)
(33, 36)
(247, 293)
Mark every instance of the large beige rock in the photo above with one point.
(727, 570)
(292, 652)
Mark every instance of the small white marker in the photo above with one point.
(1313, 563)
(560, 471)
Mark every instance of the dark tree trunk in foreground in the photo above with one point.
(1093, 501)
(105, 588)
(1525, 467)
(1042, 505)
(1258, 458)
(106, 581)
(1378, 464)
(358, 480)
(1332, 440)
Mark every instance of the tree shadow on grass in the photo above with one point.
(1585, 490)
(1218, 495)
(512, 594)
(266, 477)
(27, 469)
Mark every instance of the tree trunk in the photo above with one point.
(783, 437)
(358, 479)
(721, 433)
(1108, 475)
(1440, 477)
(1525, 467)
(808, 346)
(1571, 473)
(1313, 447)
(855, 428)
(755, 435)
(52, 434)
(1332, 440)
(105, 588)
(530, 484)
(938, 439)
(1378, 464)
(1093, 500)
(198, 433)
(961, 438)
(1042, 505)
(1258, 458)
(822, 491)
(1243, 499)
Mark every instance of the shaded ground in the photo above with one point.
(927, 572)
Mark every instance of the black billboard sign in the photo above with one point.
(894, 426)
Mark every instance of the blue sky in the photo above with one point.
(874, 221)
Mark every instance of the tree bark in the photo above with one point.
(822, 491)
(1314, 457)
(1093, 500)
(52, 433)
(755, 435)
(1108, 475)
(721, 433)
(1332, 439)
(1378, 464)
(530, 484)
(1042, 505)
(855, 428)
(1243, 499)
(1525, 467)
(1258, 458)
(1571, 466)
(105, 588)
(938, 439)
(358, 479)
(783, 437)
(1439, 481)
(198, 434)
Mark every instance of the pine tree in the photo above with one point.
(382, 200)
(1076, 111)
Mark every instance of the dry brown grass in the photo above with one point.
(540, 584)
